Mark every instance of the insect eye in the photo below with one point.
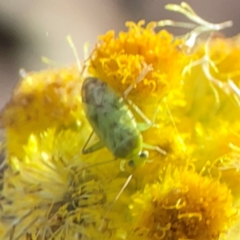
(143, 155)
(131, 163)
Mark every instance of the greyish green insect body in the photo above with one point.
(111, 120)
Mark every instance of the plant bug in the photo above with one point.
(114, 123)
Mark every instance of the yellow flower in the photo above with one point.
(43, 96)
(206, 109)
(48, 99)
(141, 58)
(53, 208)
(182, 205)
(51, 194)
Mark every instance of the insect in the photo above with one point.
(114, 122)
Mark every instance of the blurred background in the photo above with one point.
(32, 29)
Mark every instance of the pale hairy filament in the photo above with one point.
(199, 25)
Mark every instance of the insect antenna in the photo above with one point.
(72, 45)
(87, 56)
(101, 163)
(46, 61)
(116, 198)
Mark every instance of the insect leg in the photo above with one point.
(116, 198)
(122, 165)
(144, 72)
(153, 147)
(140, 113)
(146, 125)
(94, 147)
(147, 122)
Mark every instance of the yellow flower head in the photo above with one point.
(182, 205)
(50, 97)
(56, 207)
(141, 58)
(210, 113)
(51, 194)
